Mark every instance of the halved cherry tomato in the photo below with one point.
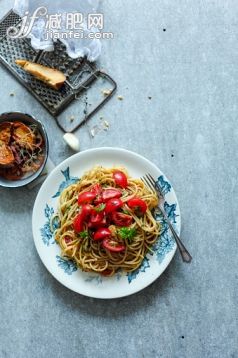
(98, 200)
(121, 219)
(82, 217)
(112, 245)
(96, 188)
(110, 194)
(86, 197)
(86, 211)
(113, 205)
(78, 223)
(97, 219)
(120, 178)
(137, 204)
(102, 233)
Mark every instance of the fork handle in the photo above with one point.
(182, 249)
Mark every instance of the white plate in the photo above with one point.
(90, 284)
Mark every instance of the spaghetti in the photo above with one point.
(106, 222)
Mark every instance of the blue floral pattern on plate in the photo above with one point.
(46, 232)
(68, 266)
(68, 181)
(132, 275)
(163, 246)
(164, 186)
(170, 211)
(97, 279)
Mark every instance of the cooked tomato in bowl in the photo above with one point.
(23, 149)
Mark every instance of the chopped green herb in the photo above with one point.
(127, 233)
(100, 208)
(127, 212)
(83, 234)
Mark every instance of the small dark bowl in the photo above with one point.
(27, 119)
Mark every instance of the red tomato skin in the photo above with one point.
(113, 205)
(121, 219)
(98, 200)
(86, 197)
(78, 223)
(96, 189)
(82, 217)
(137, 203)
(120, 179)
(86, 211)
(106, 244)
(101, 234)
(97, 219)
(108, 194)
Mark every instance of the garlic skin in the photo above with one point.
(72, 141)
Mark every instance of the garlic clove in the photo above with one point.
(72, 141)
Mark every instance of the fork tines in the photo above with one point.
(151, 183)
(148, 183)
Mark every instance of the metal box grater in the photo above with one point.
(79, 72)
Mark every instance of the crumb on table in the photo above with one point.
(106, 92)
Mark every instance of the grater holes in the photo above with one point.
(10, 20)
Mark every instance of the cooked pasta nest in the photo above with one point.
(91, 255)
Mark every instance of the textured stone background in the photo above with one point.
(189, 129)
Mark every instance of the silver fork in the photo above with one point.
(151, 183)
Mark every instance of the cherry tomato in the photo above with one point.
(78, 223)
(137, 204)
(86, 197)
(96, 188)
(113, 205)
(120, 178)
(86, 211)
(97, 219)
(112, 245)
(102, 233)
(110, 194)
(121, 219)
(98, 200)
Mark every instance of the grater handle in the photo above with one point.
(86, 83)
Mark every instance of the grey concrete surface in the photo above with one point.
(189, 129)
